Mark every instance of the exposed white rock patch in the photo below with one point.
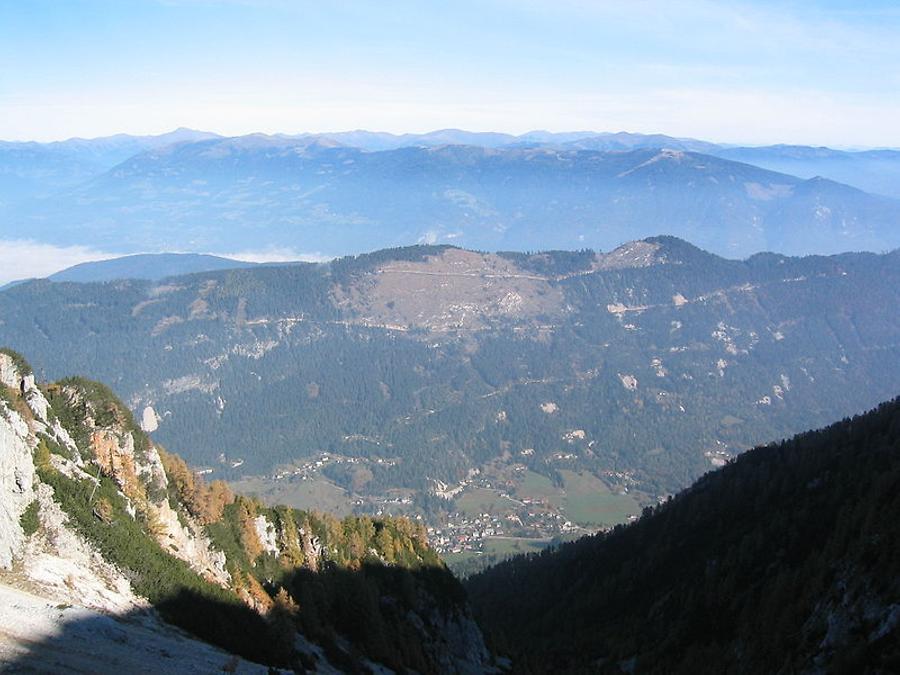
(72, 470)
(511, 303)
(34, 397)
(628, 381)
(164, 324)
(254, 350)
(189, 543)
(16, 481)
(149, 420)
(68, 568)
(216, 362)
(265, 531)
(679, 300)
(549, 407)
(785, 382)
(9, 374)
(721, 365)
(630, 255)
(620, 309)
(185, 383)
(574, 435)
(765, 400)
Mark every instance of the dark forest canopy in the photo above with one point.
(785, 560)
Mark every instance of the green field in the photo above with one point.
(507, 546)
(591, 503)
(536, 486)
(482, 500)
(496, 549)
(315, 494)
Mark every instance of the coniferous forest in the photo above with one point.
(785, 560)
(662, 355)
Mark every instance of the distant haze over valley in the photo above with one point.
(315, 196)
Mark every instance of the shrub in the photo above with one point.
(30, 519)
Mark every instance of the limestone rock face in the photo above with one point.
(9, 372)
(16, 481)
(266, 534)
(188, 542)
(59, 566)
(114, 453)
(68, 568)
(149, 420)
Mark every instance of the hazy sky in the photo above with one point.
(823, 71)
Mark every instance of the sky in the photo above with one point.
(815, 72)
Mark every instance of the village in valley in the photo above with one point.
(500, 508)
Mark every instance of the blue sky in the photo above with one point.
(825, 72)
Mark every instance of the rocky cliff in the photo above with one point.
(95, 516)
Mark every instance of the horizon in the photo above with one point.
(398, 134)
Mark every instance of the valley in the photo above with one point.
(490, 514)
(534, 396)
(450, 338)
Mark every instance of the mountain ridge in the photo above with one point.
(530, 368)
(149, 266)
(314, 197)
(315, 190)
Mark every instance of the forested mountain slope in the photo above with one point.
(94, 514)
(786, 560)
(643, 366)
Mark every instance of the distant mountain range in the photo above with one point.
(876, 171)
(32, 170)
(150, 266)
(584, 140)
(354, 191)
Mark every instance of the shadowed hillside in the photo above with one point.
(785, 560)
